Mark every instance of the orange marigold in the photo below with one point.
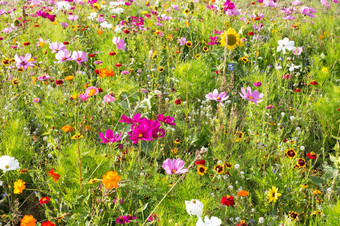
(243, 193)
(110, 179)
(28, 220)
(67, 128)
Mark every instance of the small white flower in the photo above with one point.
(8, 163)
(292, 118)
(230, 187)
(213, 221)
(105, 24)
(1, 183)
(261, 220)
(322, 56)
(282, 113)
(302, 148)
(237, 166)
(284, 45)
(157, 92)
(194, 207)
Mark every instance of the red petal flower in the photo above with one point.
(228, 200)
(44, 200)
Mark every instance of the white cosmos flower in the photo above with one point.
(284, 45)
(92, 16)
(105, 24)
(8, 163)
(194, 207)
(117, 11)
(213, 221)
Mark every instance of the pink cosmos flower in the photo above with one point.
(44, 77)
(24, 61)
(217, 97)
(166, 119)
(83, 97)
(296, 2)
(73, 17)
(91, 91)
(325, 3)
(79, 56)
(63, 55)
(110, 137)
(252, 96)
(175, 7)
(56, 47)
(135, 119)
(182, 41)
(257, 83)
(298, 51)
(120, 43)
(36, 100)
(308, 11)
(228, 5)
(174, 166)
(108, 98)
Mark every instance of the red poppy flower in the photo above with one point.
(59, 82)
(112, 53)
(253, 3)
(37, 25)
(96, 71)
(178, 101)
(200, 162)
(47, 223)
(126, 31)
(44, 200)
(66, 43)
(250, 33)
(92, 55)
(118, 64)
(228, 200)
(314, 83)
(27, 44)
(178, 51)
(216, 72)
(54, 175)
(311, 155)
(297, 90)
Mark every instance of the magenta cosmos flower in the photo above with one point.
(174, 166)
(142, 132)
(110, 137)
(252, 96)
(166, 119)
(63, 55)
(24, 61)
(217, 97)
(79, 56)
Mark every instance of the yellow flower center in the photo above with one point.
(7, 166)
(231, 39)
(140, 135)
(92, 92)
(250, 97)
(218, 98)
(174, 171)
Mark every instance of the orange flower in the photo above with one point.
(110, 179)
(99, 32)
(243, 193)
(106, 73)
(55, 176)
(28, 220)
(67, 128)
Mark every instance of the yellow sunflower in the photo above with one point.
(233, 39)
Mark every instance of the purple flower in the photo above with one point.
(257, 83)
(73, 17)
(79, 56)
(130, 218)
(24, 61)
(166, 119)
(119, 42)
(64, 25)
(142, 132)
(217, 97)
(174, 166)
(175, 7)
(269, 107)
(182, 41)
(63, 55)
(44, 77)
(252, 96)
(126, 72)
(56, 47)
(110, 137)
(228, 5)
(108, 98)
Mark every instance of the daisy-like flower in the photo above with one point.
(24, 61)
(194, 207)
(213, 221)
(110, 137)
(252, 96)
(91, 91)
(120, 43)
(8, 163)
(201, 170)
(174, 166)
(79, 56)
(285, 44)
(217, 97)
(56, 47)
(109, 98)
(63, 55)
(273, 194)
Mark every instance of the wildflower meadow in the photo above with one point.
(169, 112)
